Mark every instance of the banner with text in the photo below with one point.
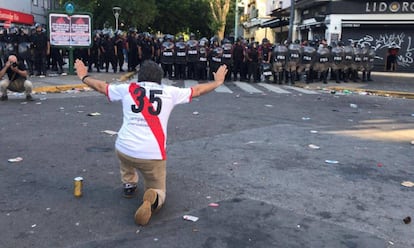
(74, 30)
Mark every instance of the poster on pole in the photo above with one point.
(70, 31)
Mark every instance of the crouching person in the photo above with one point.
(141, 141)
(16, 79)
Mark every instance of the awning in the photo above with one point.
(311, 25)
(274, 23)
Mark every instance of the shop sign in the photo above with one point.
(387, 7)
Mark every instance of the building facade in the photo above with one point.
(383, 25)
(255, 14)
(24, 12)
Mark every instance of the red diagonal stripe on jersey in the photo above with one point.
(152, 120)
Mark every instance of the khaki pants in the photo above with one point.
(153, 171)
(18, 85)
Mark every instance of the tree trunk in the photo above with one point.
(219, 10)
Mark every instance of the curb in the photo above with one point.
(399, 94)
(60, 88)
(386, 93)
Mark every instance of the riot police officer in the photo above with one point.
(41, 48)
(146, 48)
(357, 65)
(108, 50)
(215, 57)
(94, 53)
(24, 52)
(294, 57)
(132, 49)
(279, 58)
(119, 44)
(238, 60)
(252, 58)
(348, 61)
(307, 61)
(227, 57)
(338, 56)
(323, 62)
(192, 57)
(167, 55)
(202, 63)
(180, 59)
(265, 52)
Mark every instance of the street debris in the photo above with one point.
(269, 105)
(213, 205)
(331, 161)
(390, 242)
(94, 114)
(305, 118)
(407, 220)
(34, 225)
(195, 113)
(190, 218)
(407, 184)
(312, 146)
(352, 105)
(313, 131)
(110, 132)
(379, 165)
(15, 160)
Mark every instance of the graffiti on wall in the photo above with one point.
(385, 41)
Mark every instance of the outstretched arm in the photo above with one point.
(219, 76)
(95, 84)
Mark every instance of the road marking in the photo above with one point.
(274, 88)
(167, 81)
(247, 87)
(190, 83)
(223, 89)
(301, 90)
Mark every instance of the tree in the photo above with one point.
(219, 11)
(183, 16)
(136, 13)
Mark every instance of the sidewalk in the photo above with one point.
(384, 83)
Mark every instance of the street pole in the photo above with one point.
(291, 19)
(117, 12)
(236, 20)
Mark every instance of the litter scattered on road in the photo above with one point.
(110, 132)
(34, 225)
(15, 160)
(190, 218)
(352, 105)
(305, 118)
(379, 165)
(407, 220)
(94, 114)
(407, 184)
(312, 146)
(269, 105)
(331, 161)
(195, 113)
(313, 131)
(213, 205)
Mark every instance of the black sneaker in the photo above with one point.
(29, 98)
(129, 190)
(4, 98)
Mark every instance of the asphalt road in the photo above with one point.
(247, 152)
